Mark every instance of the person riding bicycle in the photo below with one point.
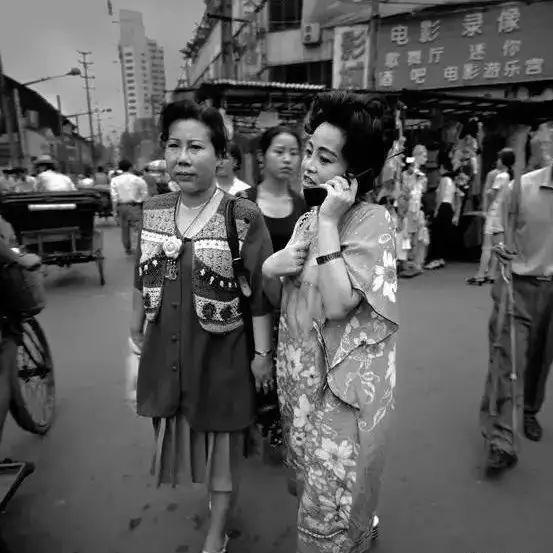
(9, 255)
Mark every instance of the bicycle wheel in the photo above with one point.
(32, 385)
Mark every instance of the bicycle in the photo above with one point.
(33, 390)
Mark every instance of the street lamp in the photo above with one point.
(73, 72)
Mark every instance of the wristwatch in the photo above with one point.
(326, 258)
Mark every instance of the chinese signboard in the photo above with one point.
(479, 47)
(351, 57)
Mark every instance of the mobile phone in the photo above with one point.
(315, 195)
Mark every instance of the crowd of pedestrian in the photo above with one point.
(256, 307)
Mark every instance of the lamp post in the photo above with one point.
(73, 72)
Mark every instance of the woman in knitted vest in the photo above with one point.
(198, 371)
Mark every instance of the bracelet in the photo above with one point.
(326, 258)
(263, 353)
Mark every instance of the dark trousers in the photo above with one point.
(130, 215)
(441, 232)
(8, 358)
(534, 355)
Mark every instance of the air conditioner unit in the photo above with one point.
(311, 33)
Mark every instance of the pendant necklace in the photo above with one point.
(171, 272)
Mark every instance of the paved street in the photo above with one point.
(91, 492)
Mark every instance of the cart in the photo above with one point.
(57, 226)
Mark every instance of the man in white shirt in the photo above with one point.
(128, 193)
(50, 180)
(226, 179)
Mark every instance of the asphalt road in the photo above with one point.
(92, 492)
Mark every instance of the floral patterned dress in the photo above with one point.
(336, 381)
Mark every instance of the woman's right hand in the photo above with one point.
(286, 262)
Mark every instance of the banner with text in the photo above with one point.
(477, 47)
(351, 57)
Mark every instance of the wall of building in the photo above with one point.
(203, 65)
(286, 47)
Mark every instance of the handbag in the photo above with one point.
(267, 410)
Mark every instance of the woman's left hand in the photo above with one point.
(341, 196)
(262, 370)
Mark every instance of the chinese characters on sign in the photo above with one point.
(351, 57)
(474, 47)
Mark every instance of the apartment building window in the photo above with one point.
(284, 14)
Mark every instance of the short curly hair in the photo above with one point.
(209, 116)
(367, 126)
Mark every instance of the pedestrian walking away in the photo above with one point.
(492, 195)
(128, 193)
(532, 290)
(197, 372)
(446, 216)
(337, 334)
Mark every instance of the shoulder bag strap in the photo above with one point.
(240, 272)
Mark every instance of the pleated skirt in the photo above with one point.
(184, 456)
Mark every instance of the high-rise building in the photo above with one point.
(142, 68)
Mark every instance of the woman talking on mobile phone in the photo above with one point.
(336, 351)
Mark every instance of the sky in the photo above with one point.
(40, 38)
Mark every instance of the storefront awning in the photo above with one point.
(244, 98)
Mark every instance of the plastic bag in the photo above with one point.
(131, 377)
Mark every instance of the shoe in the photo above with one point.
(532, 428)
(499, 460)
(476, 281)
(223, 549)
(435, 264)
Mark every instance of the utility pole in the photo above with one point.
(86, 64)
(7, 116)
(99, 122)
(373, 49)
(227, 49)
(61, 144)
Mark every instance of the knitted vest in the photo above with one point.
(215, 289)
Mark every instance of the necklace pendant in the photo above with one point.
(171, 272)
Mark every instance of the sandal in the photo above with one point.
(476, 281)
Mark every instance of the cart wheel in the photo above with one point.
(32, 384)
(100, 263)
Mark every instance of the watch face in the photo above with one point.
(314, 195)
